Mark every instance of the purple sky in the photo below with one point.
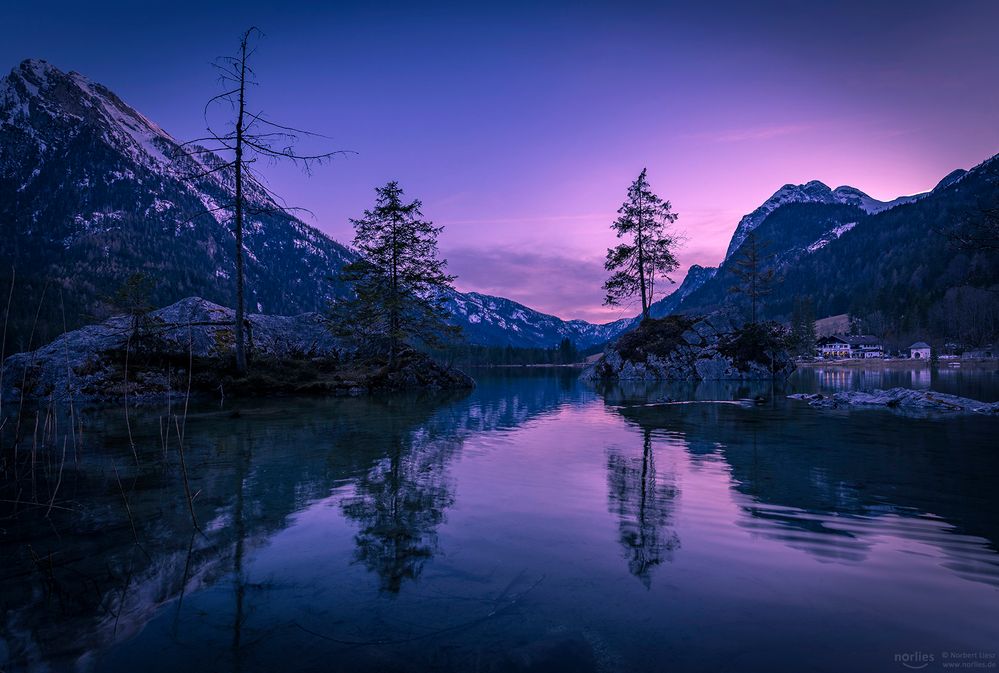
(520, 125)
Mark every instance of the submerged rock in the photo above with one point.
(681, 348)
(904, 400)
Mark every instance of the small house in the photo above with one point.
(865, 346)
(833, 347)
(841, 346)
(919, 351)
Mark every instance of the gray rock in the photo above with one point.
(716, 368)
(696, 358)
(720, 323)
(693, 338)
(904, 400)
(705, 329)
(77, 364)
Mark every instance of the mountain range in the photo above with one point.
(131, 199)
(896, 266)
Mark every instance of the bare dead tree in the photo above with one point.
(246, 138)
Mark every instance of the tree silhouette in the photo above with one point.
(803, 327)
(399, 503)
(246, 138)
(643, 504)
(133, 299)
(755, 276)
(645, 219)
(399, 281)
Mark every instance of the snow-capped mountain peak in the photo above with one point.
(127, 187)
(810, 192)
(36, 90)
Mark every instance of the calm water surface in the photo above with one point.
(536, 524)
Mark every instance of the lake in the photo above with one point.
(536, 524)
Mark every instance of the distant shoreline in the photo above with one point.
(903, 363)
(570, 365)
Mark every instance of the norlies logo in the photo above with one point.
(914, 660)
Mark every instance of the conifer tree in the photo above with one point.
(133, 298)
(567, 352)
(644, 218)
(399, 282)
(803, 326)
(754, 273)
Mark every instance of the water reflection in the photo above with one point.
(76, 578)
(979, 381)
(487, 532)
(73, 578)
(642, 500)
(399, 503)
(828, 486)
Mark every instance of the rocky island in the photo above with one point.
(685, 348)
(187, 346)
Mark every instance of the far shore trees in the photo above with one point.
(978, 230)
(803, 336)
(754, 273)
(399, 282)
(248, 136)
(644, 219)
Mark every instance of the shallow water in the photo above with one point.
(536, 524)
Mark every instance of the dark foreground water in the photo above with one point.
(534, 525)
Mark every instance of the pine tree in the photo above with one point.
(567, 352)
(133, 299)
(399, 282)
(644, 218)
(803, 326)
(754, 273)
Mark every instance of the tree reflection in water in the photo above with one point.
(643, 503)
(400, 502)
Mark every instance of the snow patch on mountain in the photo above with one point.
(811, 192)
(830, 236)
(697, 276)
(496, 321)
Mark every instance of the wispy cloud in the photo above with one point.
(551, 219)
(748, 134)
(562, 285)
(567, 286)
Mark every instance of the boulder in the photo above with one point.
(692, 338)
(418, 371)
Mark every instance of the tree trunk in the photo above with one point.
(240, 317)
(394, 311)
(640, 238)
